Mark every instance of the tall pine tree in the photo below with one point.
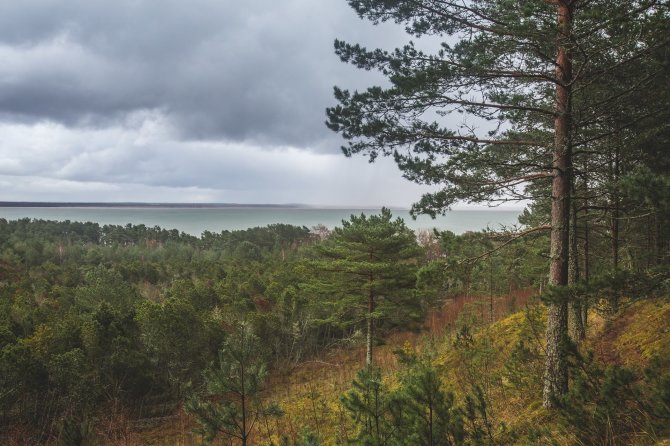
(514, 68)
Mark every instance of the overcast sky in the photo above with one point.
(183, 101)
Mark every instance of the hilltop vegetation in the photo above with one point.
(104, 322)
(106, 331)
(562, 104)
(494, 373)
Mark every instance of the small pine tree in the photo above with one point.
(419, 412)
(307, 438)
(77, 433)
(431, 418)
(232, 405)
(375, 411)
(598, 408)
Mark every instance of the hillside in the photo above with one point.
(310, 392)
(111, 335)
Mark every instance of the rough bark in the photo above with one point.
(615, 211)
(370, 328)
(586, 269)
(614, 222)
(556, 373)
(575, 307)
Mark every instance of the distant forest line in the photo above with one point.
(64, 204)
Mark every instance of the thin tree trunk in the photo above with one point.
(575, 307)
(650, 248)
(491, 290)
(616, 203)
(556, 372)
(370, 327)
(661, 244)
(430, 424)
(243, 396)
(615, 213)
(587, 271)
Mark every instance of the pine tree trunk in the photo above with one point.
(661, 245)
(370, 328)
(615, 213)
(556, 373)
(575, 307)
(243, 396)
(587, 271)
(614, 222)
(650, 247)
(491, 312)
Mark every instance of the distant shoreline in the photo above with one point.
(141, 205)
(133, 205)
(195, 218)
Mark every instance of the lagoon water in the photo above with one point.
(197, 220)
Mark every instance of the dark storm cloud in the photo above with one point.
(174, 100)
(255, 70)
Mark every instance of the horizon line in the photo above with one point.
(218, 205)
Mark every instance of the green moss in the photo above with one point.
(647, 333)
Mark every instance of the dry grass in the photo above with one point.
(647, 333)
(309, 393)
(640, 332)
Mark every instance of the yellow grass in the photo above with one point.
(309, 393)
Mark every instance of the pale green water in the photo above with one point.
(195, 221)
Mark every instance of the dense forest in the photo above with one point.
(551, 332)
(97, 315)
(101, 322)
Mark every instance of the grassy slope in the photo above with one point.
(632, 339)
(309, 393)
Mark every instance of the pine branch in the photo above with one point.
(514, 238)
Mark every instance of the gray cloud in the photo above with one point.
(173, 100)
(141, 160)
(257, 70)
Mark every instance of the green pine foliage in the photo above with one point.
(231, 405)
(124, 316)
(559, 101)
(97, 318)
(370, 264)
(374, 409)
(89, 322)
(419, 410)
(77, 433)
(614, 405)
(430, 414)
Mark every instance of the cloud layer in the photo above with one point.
(258, 70)
(141, 160)
(205, 100)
